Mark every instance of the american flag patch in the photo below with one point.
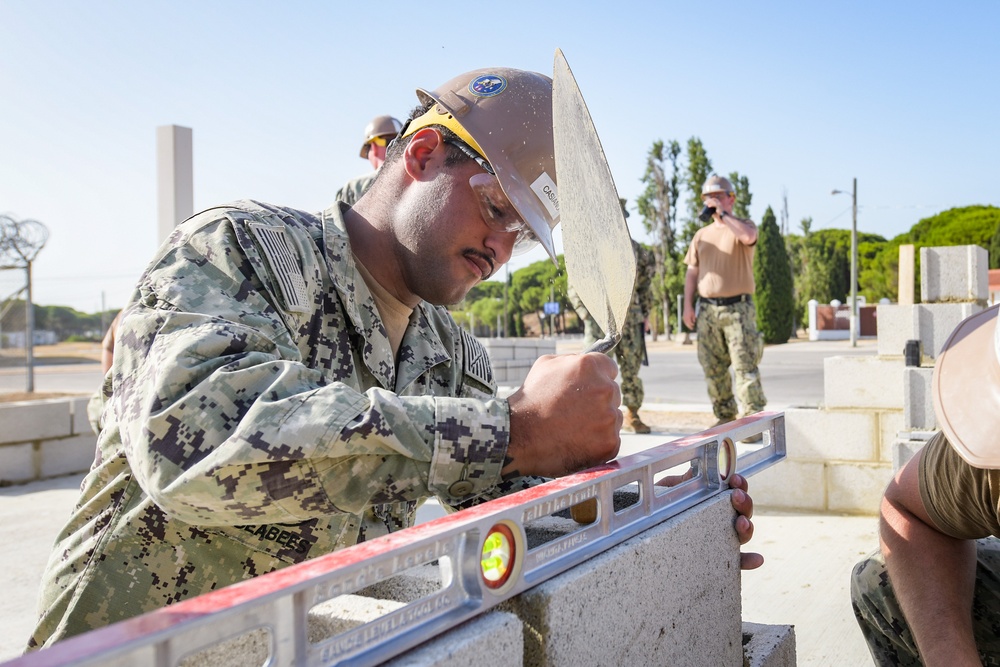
(477, 361)
(285, 266)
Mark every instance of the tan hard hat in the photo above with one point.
(380, 126)
(506, 116)
(716, 183)
(966, 389)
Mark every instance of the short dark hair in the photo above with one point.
(455, 155)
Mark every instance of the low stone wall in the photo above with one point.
(512, 357)
(45, 438)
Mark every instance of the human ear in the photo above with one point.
(420, 151)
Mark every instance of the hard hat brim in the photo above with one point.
(966, 390)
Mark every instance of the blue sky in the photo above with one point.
(799, 97)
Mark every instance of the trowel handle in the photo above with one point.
(604, 345)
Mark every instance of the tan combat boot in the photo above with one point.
(632, 423)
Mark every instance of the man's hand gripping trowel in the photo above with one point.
(596, 243)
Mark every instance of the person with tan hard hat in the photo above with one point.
(378, 133)
(286, 384)
(931, 595)
(720, 271)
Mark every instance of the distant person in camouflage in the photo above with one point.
(931, 594)
(378, 133)
(285, 384)
(631, 349)
(720, 271)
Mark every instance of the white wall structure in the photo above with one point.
(174, 178)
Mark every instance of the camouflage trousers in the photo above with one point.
(628, 352)
(727, 336)
(885, 629)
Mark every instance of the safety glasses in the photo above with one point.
(494, 206)
(381, 141)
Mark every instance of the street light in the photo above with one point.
(854, 260)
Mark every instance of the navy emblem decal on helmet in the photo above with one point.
(488, 85)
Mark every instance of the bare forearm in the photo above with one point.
(744, 229)
(933, 576)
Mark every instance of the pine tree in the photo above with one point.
(773, 276)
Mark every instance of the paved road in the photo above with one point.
(792, 374)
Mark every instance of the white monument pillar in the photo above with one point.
(174, 178)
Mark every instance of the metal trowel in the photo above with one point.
(596, 244)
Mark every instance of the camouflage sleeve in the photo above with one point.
(223, 423)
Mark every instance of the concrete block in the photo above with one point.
(530, 349)
(930, 323)
(24, 421)
(936, 321)
(791, 484)
(67, 455)
(17, 463)
(918, 404)
(863, 382)
(495, 639)
(856, 488)
(890, 422)
(669, 596)
(954, 273)
(907, 444)
(822, 435)
(768, 645)
(896, 324)
(79, 423)
(499, 349)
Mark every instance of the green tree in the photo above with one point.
(658, 207)
(741, 209)
(994, 249)
(699, 168)
(773, 277)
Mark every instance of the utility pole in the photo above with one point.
(854, 261)
(854, 265)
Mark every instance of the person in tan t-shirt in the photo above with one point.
(931, 594)
(720, 270)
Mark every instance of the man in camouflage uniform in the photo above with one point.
(631, 349)
(720, 270)
(285, 384)
(931, 594)
(378, 133)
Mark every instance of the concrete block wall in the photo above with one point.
(512, 358)
(840, 457)
(668, 596)
(930, 323)
(838, 460)
(45, 438)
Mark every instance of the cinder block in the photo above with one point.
(895, 324)
(499, 349)
(25, 421)
(79, 422)
(17, 463)
(67, 455)
(495, 639)
(936, 321)
(907, 444)
(822, 435)
(856, 488)
(863, 382)
(531, 348)
(669, 596)
(768, 645)
(918, 404)
(954, 273)
(890, 422)
(791, 484)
